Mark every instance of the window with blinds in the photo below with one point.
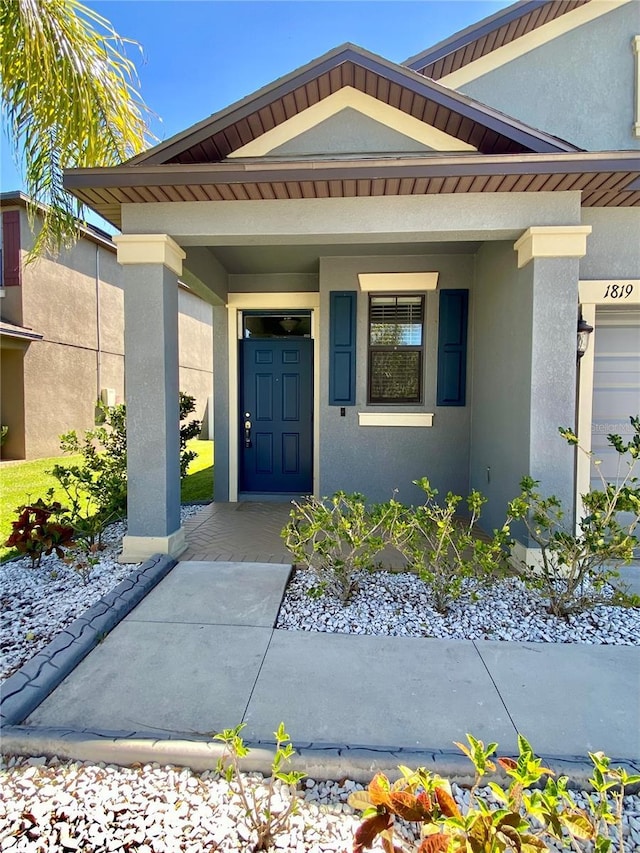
(396, 346)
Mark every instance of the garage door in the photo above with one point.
(616, 383)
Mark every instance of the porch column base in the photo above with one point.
(525, 559)
(136, 549)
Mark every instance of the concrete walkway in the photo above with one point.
(200, 653)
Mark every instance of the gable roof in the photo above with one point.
(486, 129)
(199, 163)
(517, 27)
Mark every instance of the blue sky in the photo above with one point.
(199, 56)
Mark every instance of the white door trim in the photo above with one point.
(236, 304)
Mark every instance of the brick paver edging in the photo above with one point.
(31, 684)
(320, 761)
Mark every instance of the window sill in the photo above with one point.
(395, 419)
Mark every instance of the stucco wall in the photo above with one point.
(12, 401)
(613, 247)
(377, 460)
(524, 374)
(500, 430)
(221, 403)
(348, 132)
(580, 86)
(82, 350)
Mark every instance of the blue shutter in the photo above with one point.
(342, 347)
(452, 347)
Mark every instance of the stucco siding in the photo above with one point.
(613, 247)
(377, 460)
(580, 86)
(273, 283)
(221, 403)
(349, 132)
(500, 432)
(477, 216)
(53, 407)
(12, 401)
(76, 301)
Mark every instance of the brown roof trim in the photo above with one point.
(16, 198)
(468, 108)
(604, 179)
(487, 35)
(239, 171)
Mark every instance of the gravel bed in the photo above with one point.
(95, 808)
(38, 603)
(399, 605)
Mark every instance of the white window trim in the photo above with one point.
(395, 419)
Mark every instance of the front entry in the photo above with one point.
(276, 415)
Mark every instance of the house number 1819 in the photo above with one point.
(618, 291)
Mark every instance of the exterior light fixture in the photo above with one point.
(289, 324)
(584, 330)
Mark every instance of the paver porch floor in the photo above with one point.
(244, 532)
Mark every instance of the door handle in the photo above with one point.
(247, 433)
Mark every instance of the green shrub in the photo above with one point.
(96, 487)
(443, 548)
(335, 537)
(524, 820)
(260, 810)
(575, 566)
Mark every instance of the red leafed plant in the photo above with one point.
(534, 813)
(35, 532)
(383, 801)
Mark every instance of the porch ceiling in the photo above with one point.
(605, 179)
(247, 260)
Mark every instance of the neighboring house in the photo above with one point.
(397, 256)
(62, 337)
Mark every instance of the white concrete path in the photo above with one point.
(200, 654)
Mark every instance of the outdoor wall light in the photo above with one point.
(289, 324)
(584, 330)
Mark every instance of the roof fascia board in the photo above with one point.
(472, 33)
(458, 166)
(530, 41)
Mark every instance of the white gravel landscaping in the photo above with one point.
(399, 605)
(62, 806)
(38, 603)
(59, 806)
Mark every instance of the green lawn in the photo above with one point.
(26, 481)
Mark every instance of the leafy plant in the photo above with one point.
(443, 548)
(190, 429)
(35, 532)
(96, 487)
(4, 432)
(575, 566)
(83, 558)
(335, 537)
(265, 816)
(524, 820)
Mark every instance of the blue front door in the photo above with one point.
(276, 415)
